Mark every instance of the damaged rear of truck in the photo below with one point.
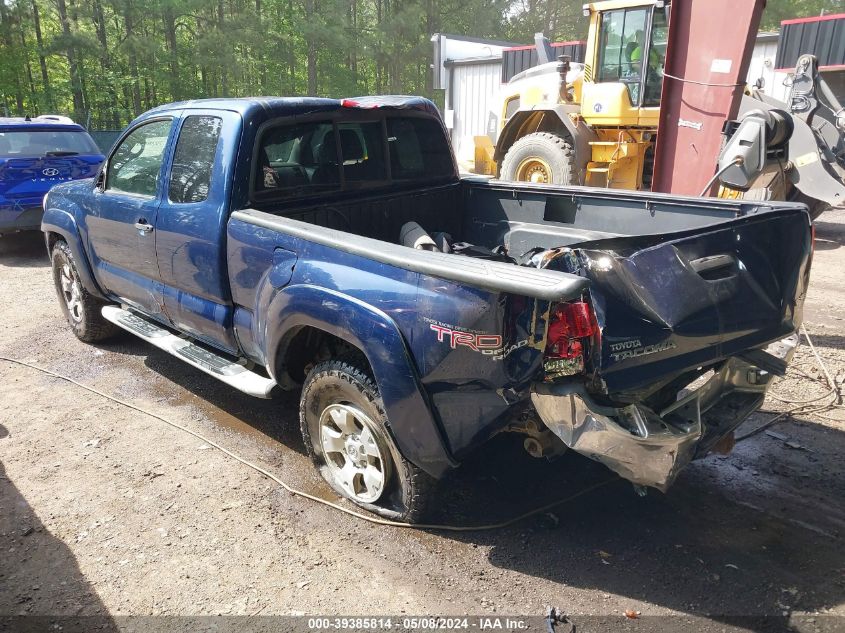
(637, 329)
(686, 330)
(689, 309)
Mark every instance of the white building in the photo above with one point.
(762, 67)
(469, 69)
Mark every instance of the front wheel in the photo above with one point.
(81, 308)
(541, 158)
(344, 426)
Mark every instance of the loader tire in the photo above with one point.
(541, 158)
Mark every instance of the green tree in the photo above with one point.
(105, 61)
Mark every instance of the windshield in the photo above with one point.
(622, 40)
(626, 53)
(34, 143)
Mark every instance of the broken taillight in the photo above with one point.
(569, 325)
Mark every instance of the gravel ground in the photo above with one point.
(108, 512)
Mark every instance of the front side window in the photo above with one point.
(622, 43)
(135, 165)
(193, 159)
(656, 58)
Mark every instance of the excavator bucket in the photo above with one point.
(804, 142)
(811, 168)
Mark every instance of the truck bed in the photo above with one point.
(518, 215)
(677, 283)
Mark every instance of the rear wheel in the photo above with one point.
(541, 158)
(344, 426)
(81, 308)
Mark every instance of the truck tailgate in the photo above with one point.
(673, 303)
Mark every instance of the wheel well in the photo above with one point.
(524, 123)
(308, 346)
(52, 238)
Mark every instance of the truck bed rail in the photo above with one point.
(496, 276)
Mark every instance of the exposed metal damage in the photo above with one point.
(650, 448)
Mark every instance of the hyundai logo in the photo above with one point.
(50, 171)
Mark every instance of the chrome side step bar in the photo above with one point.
(234, 373)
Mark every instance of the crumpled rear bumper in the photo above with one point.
(650, 448)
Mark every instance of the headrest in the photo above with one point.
(350, 146)
(327, 151)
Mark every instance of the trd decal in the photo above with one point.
(476, 342)
(487, 344)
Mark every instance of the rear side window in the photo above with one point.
(34, 143)
(362, 150)
(305, 158)
(135, 165)
(193, 160)
(297, 159)
(418, 149)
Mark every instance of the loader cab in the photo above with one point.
(626, 49)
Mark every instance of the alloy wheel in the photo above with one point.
(354, 455)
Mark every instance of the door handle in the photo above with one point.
(143, 227)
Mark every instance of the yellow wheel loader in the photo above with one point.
(591, 123)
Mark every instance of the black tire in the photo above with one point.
(553, 150)
(83, 310)
(407, 489)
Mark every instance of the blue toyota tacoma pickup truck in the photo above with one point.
(331, 246)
